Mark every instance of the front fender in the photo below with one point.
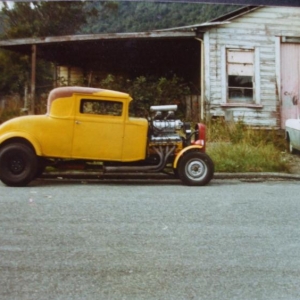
(17, 135)
(187, 149)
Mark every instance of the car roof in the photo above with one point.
(68, 91)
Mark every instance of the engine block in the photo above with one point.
(164, 127)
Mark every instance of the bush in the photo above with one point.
(10, 109)
(243, 157)
(235, 147)
(147, 91)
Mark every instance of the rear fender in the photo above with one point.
(185, 150)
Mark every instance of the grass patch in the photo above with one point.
(242, 157)
(235, 147)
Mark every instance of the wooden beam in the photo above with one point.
(96, 37)
(33, 78)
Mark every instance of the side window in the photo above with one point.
(240, 75)
(101, 107)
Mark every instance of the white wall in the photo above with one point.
(260, 30)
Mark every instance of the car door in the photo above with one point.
(98, 129)
(290, 82)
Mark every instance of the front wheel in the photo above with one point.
(195, 169)
(18, 164)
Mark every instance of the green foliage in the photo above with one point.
(147, 91)
(137, 16)
(235, 147)
(14, 72)
(219, 130)
(33, 19)
(243, 157)
(13, 108)
(1, 23)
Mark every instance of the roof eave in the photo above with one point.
(194, 27)
(91, 37)
(236, 13)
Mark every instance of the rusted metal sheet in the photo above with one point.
(290, 82)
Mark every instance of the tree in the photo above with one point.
(136, 16)
(37, 19)
(149, 91)
(13, 72)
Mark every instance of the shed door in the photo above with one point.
(290, 82)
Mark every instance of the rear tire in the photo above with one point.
(195, 169)
(18, 164)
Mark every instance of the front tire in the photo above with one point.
(18, 164)
(196, 169)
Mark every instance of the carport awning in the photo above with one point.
(133, 53)
(18, 43)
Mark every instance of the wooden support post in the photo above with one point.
(33, 78)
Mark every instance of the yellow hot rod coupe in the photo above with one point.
(93, 125)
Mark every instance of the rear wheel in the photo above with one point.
(18, 164)
(195, 168)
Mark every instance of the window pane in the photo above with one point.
(240, 69)
(240, 88)
(240, 56)
(101, 107)
(240, 81)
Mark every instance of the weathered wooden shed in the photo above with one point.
(252, 66)
(245, 65)
(129, 54)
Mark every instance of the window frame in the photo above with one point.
(226, 102)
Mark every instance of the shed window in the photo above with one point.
(240, 75)
(101, 107)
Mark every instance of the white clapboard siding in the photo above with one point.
(258, 29)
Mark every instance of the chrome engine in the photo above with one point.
(163, 125)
